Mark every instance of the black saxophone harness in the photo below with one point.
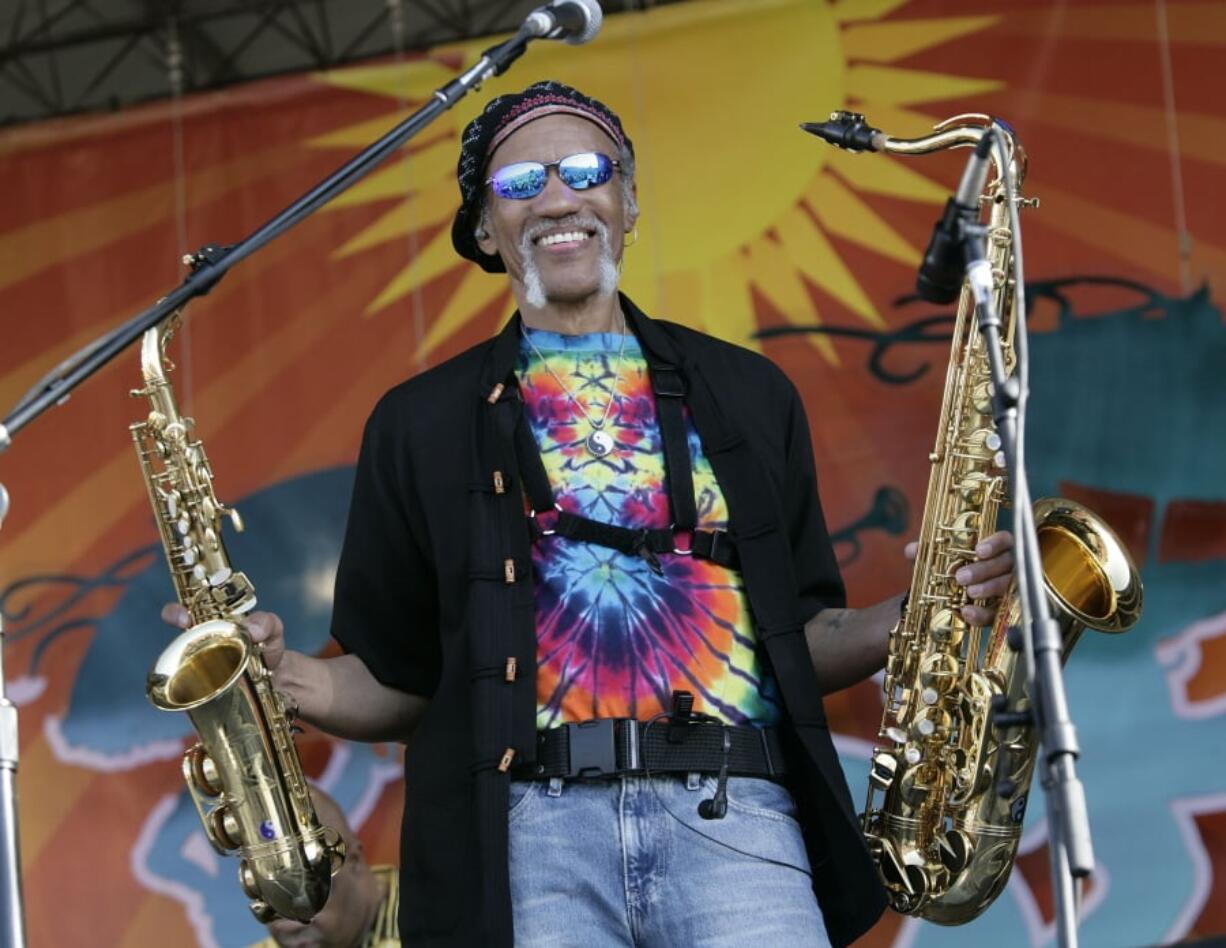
(548, 519)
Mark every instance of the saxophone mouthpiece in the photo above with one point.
(847, 130)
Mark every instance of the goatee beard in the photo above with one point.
(535, 294)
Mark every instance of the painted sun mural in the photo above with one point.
(750, 230)
(739, 201)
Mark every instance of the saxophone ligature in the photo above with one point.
(244, 774)
(948, 785)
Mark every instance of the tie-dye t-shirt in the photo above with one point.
(613, 638)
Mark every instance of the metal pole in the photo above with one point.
(12, 916)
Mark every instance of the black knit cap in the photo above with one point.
(492, 127)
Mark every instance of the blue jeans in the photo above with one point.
(630, 862)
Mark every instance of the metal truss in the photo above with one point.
(60, 57)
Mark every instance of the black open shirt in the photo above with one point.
(422, 598)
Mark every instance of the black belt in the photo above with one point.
(614, 747)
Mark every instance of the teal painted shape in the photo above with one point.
(289, 549)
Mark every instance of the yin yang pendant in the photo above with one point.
(599, 443)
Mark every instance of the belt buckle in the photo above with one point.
(593, 748)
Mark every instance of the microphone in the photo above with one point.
(940, 275)
(575, 21)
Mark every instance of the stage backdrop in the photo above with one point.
(749, 227)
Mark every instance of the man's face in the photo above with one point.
(521, 230)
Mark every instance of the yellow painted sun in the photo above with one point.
(733, 196)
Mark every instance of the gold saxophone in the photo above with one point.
(244, 775)
(943, 837)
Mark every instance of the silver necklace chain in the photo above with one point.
(617, 377)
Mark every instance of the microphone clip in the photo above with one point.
(717, 807)
(681, 716)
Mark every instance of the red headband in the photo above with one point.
(538, 106)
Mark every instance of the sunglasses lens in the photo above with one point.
(524, 179)
(587, 170)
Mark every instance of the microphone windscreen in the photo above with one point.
(593, 17)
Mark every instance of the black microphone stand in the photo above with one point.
(208, 265)
(1071, 851)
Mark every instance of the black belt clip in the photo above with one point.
(681, 716)
(593, 748)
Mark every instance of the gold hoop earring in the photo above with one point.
(633, 238)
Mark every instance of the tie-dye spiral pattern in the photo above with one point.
(613, 638)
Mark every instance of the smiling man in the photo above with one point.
(587, 580)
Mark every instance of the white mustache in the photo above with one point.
(570, 222)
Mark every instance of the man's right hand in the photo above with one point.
(263, 627)
(338, 695)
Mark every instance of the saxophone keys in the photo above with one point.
(981, 397)
(908, 878)
(918, 783)
(972, 487)
(201, 771)
(947, 628)
(980, 446)
(938, 677)
(932, 725)
(250, 884)
(263, 912)
(955, 850)
(884, 767)
(965, 529)
(224, 828)
(334, 845)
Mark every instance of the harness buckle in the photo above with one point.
(550, 525)
(667, 381)
(592, 748)
(642, 547)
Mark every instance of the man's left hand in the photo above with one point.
(988, 577)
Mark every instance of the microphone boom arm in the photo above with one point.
(211, 263)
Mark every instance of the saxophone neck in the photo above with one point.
(155, 367)
(851, 131)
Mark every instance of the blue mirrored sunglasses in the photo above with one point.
(526, 179)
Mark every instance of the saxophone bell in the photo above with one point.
(1091, 579)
